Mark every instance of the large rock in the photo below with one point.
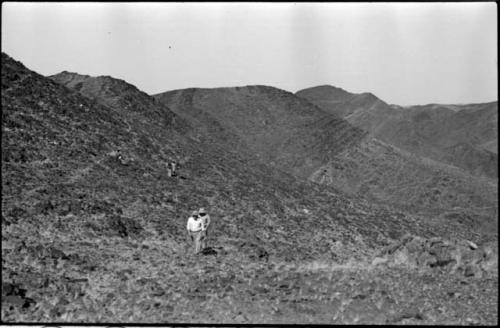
(255, 252)
(457, 256)
(15, 296)
(123, 226)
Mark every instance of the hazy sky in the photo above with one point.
(404, 53)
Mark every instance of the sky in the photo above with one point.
(404, 53)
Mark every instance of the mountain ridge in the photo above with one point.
(433, 131)
(340, 164)
(274, 115)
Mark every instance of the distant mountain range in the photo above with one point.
(465, 136)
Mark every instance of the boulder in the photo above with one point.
(15, 296)
(471, 270)
(9, 288)
(57, 253)
(454, 256)
(208, 251)
(471, 244)
(123, 226)
(379, 260)
(254, 251)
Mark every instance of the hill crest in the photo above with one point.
(434, 131)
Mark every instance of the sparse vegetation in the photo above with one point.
(87, 238)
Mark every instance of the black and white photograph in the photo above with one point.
(249, 163)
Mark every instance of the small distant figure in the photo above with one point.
(174, 166)
(117, 154)
(171, 167)
(205, 223)
(194, 228)
(121, 158)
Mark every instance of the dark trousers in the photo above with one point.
(204, 238)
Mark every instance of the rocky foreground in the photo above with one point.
(95, 279)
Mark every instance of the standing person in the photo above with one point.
(171, 166)
(205, 223)
(174, 166)
(194, 228)
(169, 170)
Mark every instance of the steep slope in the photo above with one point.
(296, 137)
(465, 136)
(348, 105)
(382, 173)
(329, 98)
(72, 167)
(120, 95)
(89, 238)
(280, 128)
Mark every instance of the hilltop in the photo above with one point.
(280, 128)
(89, 237)
(339, 101)
(465, 136)
(299, 138)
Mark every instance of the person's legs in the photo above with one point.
(197, 241)
(205, 237)
(193, 240)
(190, 241)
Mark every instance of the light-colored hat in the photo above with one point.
(194, 213)
(202, 210)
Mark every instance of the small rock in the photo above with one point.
(471, 244)
(13, 300)
(12, 289)
(359, 297)
(209, 251)
(241, 318)
(379, 260)
(472, 321)
(471, 271)
(454, 294)
(56, 254)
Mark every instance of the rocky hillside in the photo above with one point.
(132, 103)
(280, 128)
(89, 236)
(465, 136)
(297, 137)
(385, 174)
(341, 102)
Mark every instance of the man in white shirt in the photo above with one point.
(194, 228)
(205, 223)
